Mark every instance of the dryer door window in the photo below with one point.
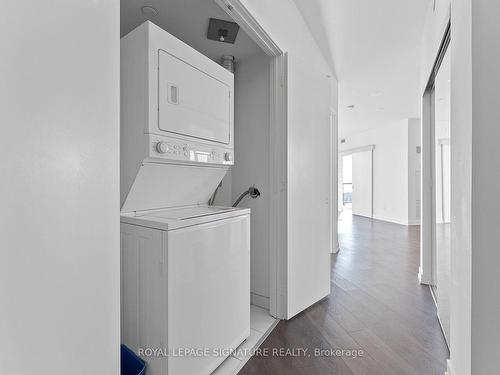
(191, 102)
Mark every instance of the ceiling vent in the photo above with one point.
(222, 31)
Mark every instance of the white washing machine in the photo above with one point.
(185, 286)
(185, 265)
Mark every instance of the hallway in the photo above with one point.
(376, 305)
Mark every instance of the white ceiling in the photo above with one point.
(188, 21)
(374, 48)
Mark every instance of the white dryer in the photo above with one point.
(185, 265)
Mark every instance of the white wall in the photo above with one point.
(396, 169)
(59, 234)
(252, 158)
(390, 169)
(251, 95)
(485, 62)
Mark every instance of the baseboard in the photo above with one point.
(391, 220)
(260, 301)
(440, 322)
(397, 221)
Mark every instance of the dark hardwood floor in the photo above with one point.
(376, 305)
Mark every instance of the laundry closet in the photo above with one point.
(194, 141)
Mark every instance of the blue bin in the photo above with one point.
(131, 364)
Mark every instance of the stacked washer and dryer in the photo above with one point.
(185, 265)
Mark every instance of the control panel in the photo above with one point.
(174, 149)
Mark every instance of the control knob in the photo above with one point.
(162, 147)
(228, 156)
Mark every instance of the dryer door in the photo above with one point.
(191, 102)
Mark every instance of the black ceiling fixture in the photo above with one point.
(222, 31)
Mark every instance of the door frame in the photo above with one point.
(334, 173)
(427, 269)
(355, 150)
(278, 163)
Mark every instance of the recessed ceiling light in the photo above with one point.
(149, 11)
(376, 93)
(380, 109)
(350, 106)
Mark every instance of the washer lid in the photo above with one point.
(175, 218)
(186, 213)
(164, 185)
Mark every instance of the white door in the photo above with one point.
(362, 179)
(308, 255)
(442, 183)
